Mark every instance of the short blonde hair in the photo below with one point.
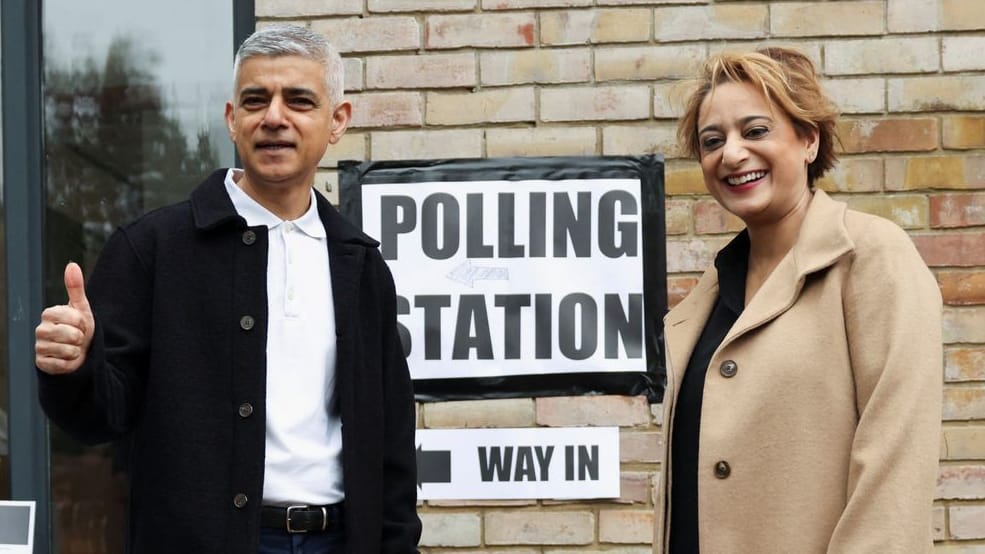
(788, 80)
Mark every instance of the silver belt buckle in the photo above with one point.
(288, 522)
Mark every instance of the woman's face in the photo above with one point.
(753, 162)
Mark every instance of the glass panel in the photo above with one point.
(133, 103)
(4, 396)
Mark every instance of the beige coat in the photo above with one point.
(831, 424)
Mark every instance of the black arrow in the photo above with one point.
(433, 466)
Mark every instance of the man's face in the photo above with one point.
(282, 120)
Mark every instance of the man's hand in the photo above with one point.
(62, 338)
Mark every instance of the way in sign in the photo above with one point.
(533, 463)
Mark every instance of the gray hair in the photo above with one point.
(292, 40)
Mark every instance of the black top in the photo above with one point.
(731, 263)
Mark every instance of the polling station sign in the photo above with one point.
(521, 276)
(526, 463)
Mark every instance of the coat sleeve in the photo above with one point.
(401, 525)
(97, 402)
(892, 307)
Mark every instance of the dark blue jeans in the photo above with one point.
(277, 541)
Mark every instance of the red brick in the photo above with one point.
(710, 218)
(964, 364)
(678, 288)
(961, 482)
(960, 288)
(957, 210)
(480, 30)
(956, 249)
(634, 487)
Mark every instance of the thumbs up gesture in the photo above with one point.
(63, 337)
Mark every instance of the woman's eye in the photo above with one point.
(710, 143)
(757, 132)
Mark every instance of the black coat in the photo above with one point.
(179, 351)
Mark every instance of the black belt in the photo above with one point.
(302, 519)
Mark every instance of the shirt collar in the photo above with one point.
(256, 215)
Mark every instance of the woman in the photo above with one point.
(804, 370)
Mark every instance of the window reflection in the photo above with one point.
(133, 101)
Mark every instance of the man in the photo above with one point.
(246, 341)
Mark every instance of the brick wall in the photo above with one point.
(483, 78)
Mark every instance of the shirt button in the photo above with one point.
(728, 369)
(249, 237)
(240, 500)
(245, 409)
(722, 470)
(246, 322)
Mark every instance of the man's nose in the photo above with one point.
(274, 116)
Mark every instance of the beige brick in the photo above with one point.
(939, 519)
(411, 145)
(496, 30)
(377, 6)
(957, 210)
(882, 55)
(964, 364)
(711, 218)
(670, 99)
(450, 529)
(908, 211)
(935, 172)
(620, 550)
(485, 106)
(511, 412)
(547, 65)
(726, 21)
(807, 19)
(677, 215)
(963, 53)
(595, 103)
(964, 132)
(961, 482)
(634, 487)
(684, 177)
(854, 175)
(965, 324)
(913, 16)
(657, 412)
(327, 183)
(692, 255)
(964, 403)
(567, 27)
(626, 526)
(296, 8)
(567, 411)
(964, 443)
(571, 527)
(937, 93)
(386, 109)
(961, 288)
(967, 522)
(353, 74)
(481, 503)
(646, 446)
(959, 548)
(542, 141)
(647, 62)
(857, 96)
(962, 15)
(917, 134)
(352, 146)
(428, 71)
(370, 34)
(519, 4)
(649, 138)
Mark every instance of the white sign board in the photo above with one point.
(514, 277)
(528, 463)
(16, 527)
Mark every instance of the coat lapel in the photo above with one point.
(684, 323)
(822, 241)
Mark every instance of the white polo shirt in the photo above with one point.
(303, 461)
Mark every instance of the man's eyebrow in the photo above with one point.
(248, 91)
(299, 91)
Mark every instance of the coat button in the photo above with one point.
(722, 469)
(245, 409)
(249, 237)
(246, 322)
(728, 369)
(240, 500)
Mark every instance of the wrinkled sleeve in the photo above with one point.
(893, 319)
(99, 401)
